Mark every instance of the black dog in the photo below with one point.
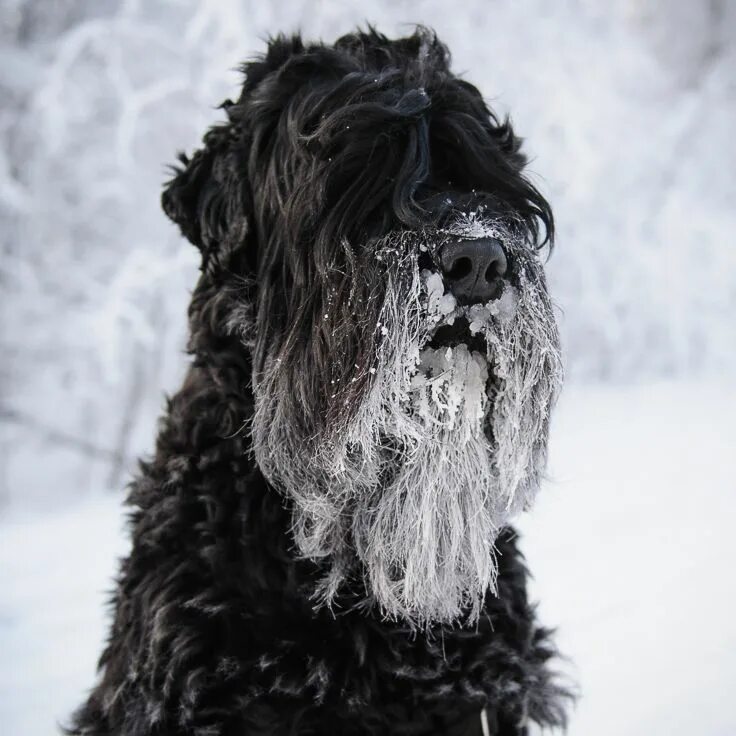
(320, 545)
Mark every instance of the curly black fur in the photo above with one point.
(216, 630)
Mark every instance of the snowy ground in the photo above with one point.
(631, 544)
(632, 548)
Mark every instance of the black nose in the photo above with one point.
(474, 269)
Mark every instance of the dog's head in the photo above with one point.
(371, 217)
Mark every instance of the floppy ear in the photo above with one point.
(209, 196)
(206, 196)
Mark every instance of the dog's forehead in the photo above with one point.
(343, 143)
(374, 64)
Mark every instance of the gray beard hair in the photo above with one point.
(446, 446)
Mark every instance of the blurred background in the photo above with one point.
(629, 110)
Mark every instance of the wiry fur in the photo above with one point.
(320, 542)
(419, 479)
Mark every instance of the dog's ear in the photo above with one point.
(206, 196)
(209, 196)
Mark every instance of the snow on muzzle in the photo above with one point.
(446, 444)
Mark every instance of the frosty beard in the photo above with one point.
(447, 444)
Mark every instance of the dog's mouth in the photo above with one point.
(458, 333)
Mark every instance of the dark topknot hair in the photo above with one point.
(327, 149)
(367, 135)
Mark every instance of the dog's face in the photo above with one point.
(371, 218)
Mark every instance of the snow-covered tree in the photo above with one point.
(630, 124)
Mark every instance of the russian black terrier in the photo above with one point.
(321, 541)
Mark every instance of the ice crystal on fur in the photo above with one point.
(441, 449)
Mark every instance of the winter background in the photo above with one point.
(629, 107)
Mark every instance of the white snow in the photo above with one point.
(628, 120)
(631, 545)
(439, 304)
(629, 126)
(55, 575)
(628, 123)
(447, 381)
(632, 548)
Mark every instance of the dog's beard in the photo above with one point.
(445, 445)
